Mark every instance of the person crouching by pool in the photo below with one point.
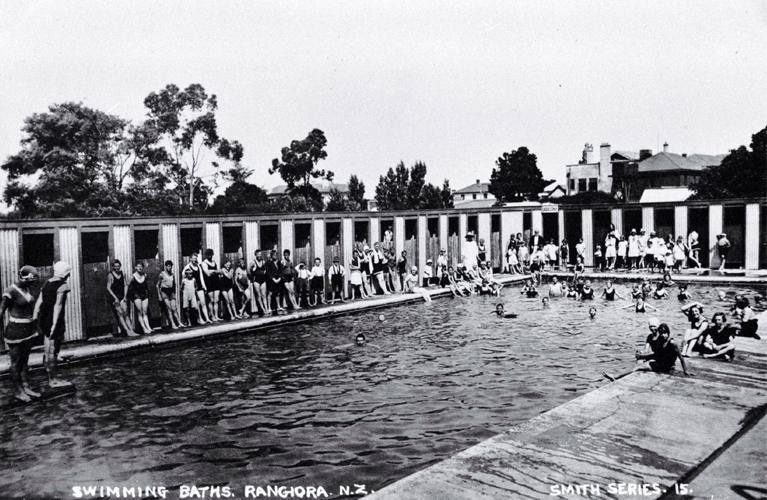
(166, 293)
(719, 341)
(411, 285)
(49, 312)
(661, 360)
(19, 301)
(694, 336)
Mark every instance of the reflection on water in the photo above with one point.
(289, 407)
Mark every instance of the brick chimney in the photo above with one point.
(665, 147)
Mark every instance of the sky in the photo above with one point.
(452, 84)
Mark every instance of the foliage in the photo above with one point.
(298, 167)
(587, 198)
(185, 122)
(357, 194)
(404, 189)
(77, 155)
(338, 202)
(740, 175)
(241, 197)
(516, 177)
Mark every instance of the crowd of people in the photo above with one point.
(637, 251)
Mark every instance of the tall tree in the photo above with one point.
(404, 189)
(298, 166)
(356, 194)
(740, 175)
(73, 162)
(338, 202)
(241, 197)
(516, 177)
(391, 191)
(184, 121)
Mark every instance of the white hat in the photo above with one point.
(61, 269)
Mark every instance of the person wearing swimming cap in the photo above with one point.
(19, 300)
(49, 311)
(652, 338)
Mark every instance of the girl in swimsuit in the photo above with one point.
(138, 293)
(641, 306)
(166, 292)
(610, 293)
(227, 289)
(212, 279)
(587, 293)
(117, 288)
(243, 286)
(20, 332)
(260, 287)
(196, 269)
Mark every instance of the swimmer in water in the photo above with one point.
(360, 340)
(636, 292)
(545, 302)
(501, 313)
(592, 312)
(683, 293)
(641, 306)
(610, 292)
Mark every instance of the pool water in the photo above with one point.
(290, 407)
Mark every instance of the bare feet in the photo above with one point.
(22, 396)
(30, 392)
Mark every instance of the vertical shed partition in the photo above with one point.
(97, 303)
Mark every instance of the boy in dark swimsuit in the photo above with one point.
(661, 360)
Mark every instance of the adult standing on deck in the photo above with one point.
(194, 267)
(20, 303)
(49, 311)
(258, 277)
(470, 251)
(117, 288)
(211, 276)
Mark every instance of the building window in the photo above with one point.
(572, 185)
(581, 185)
(474, 196)
(485, 195)
(593, 184)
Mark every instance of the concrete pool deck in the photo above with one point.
(706, 432)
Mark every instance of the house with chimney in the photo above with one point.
(628, 175)
(476, 195)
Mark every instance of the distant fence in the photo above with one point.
(90, 245)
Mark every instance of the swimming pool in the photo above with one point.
(287, 407)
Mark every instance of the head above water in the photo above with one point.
(653, 324)
(592, 311)
(360, 339)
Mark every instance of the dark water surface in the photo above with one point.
(290, 407)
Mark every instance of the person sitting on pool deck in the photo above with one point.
(411, 285)
(661, 360)
(719, 341)
(499, 311)
(693, 337)
(747, 322)
(641, 306)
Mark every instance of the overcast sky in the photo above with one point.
(453, 84)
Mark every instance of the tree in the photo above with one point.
(298, 167)
(241, 197)
(337, 202)
(516, 177)
(80, 157)
(404, 189)
(357, 194)
(391, 192)
(185, 121)
(740, 175)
